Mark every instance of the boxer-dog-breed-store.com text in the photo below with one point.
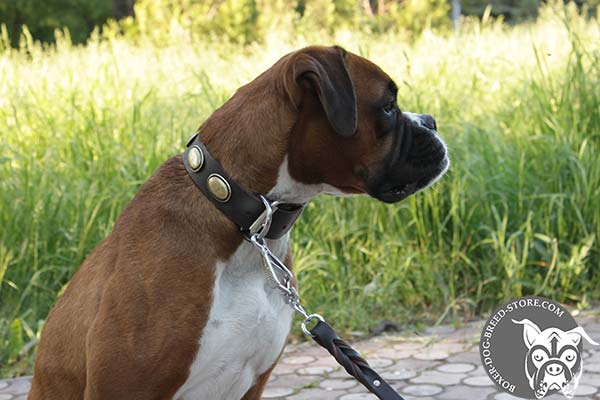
(553, 361)
(174, 303)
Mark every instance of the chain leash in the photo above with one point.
(322, 333)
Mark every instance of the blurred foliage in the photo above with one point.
(43, 17)
(513, 10)
(247, 21)
(517, 10)
(244, 21)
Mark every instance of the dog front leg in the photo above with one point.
(256, 391)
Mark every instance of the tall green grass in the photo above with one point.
(519, 213)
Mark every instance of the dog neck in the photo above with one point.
(251, 143)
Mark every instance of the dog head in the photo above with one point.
(323, 120)
(553, 361)
(350, 132)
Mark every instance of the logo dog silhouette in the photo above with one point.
(553, 361)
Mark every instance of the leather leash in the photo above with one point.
(352, 362)
(258, 219)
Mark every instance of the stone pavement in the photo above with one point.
(442, 363)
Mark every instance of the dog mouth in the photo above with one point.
(397, 193)
(393, 192)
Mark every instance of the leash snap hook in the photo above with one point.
(261, 226)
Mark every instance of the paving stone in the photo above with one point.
(463, 392)
(275, 392)
(320, 370)
(422, 390)
(326, 361)
(418, 398)
(586, 390)
(367, 347)
(358, 389)
(595, 367)
(479, 381)
(380, 362)
(506, 396)
(313, 351)
(339, 373)
(416, 365)
(393, 354)
(431, 355)
(438, 378)
(447, 347)
(297, 360)
(18, 386)
(338, 384)
(388, 353)
(592, 328)
(456, 368)
(282, 369)
(316, 393)
(478, 371)
(398, 375)
(588, 378)
(295, 381)
(594, 358)
(408, 346)
(466, 357)
(442, 364)
(560, 396)
(359, 396)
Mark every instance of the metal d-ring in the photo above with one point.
(307, 320)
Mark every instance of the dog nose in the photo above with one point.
(429, 121)
(554, 369)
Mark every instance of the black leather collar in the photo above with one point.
(239, 205)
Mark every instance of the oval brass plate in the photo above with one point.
(219, 187)
(195, 158)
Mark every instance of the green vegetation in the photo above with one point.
(519, 213)
(246, 21)
(43, 17)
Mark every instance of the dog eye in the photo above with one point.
(538, 357)
(570, 357)
(390, 108)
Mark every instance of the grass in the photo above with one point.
(519, 213)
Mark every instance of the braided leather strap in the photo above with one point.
(352, 362)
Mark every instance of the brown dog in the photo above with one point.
(174, 304)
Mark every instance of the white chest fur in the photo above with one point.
(246, 331)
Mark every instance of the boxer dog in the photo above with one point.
(553, 360)
(174, 304)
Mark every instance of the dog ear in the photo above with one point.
(576, 334)
(530, 331)
(325, 72)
